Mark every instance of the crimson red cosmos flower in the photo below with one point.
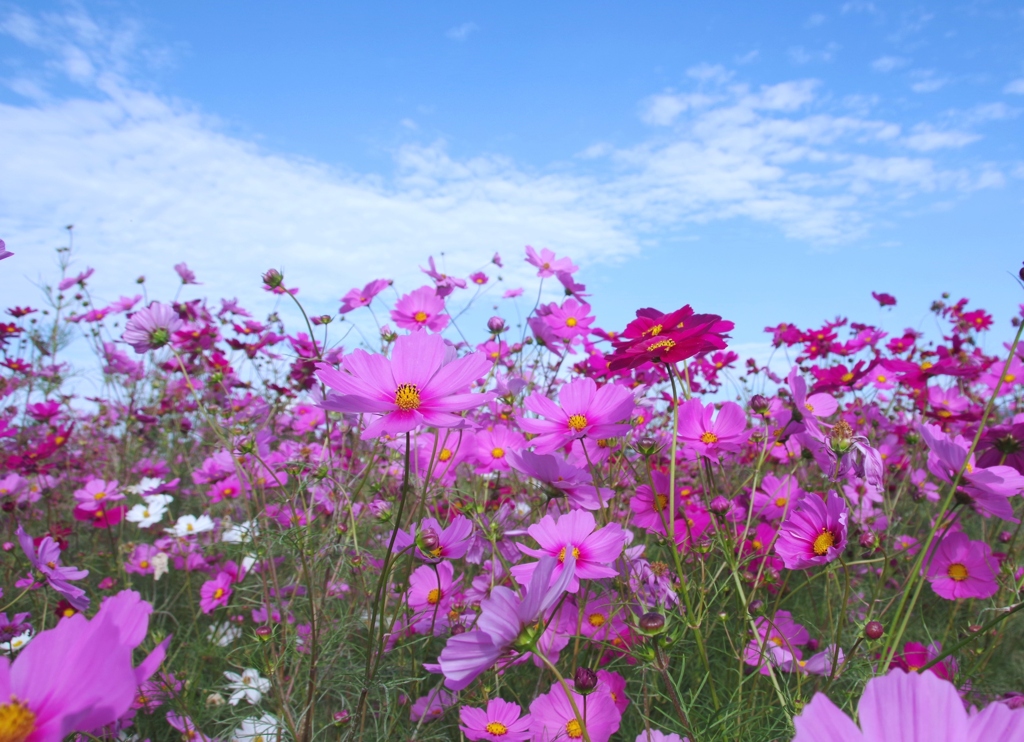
(667, 338)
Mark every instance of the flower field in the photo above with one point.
(540, 528)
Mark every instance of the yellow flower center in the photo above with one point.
(17, 722)
(926, 365)
(824, 542)
(497, 452)
(100, 495)
(660, 501)
(809, 406)
(407, 397)
(652, 330)
(596, 620)
(708, 438)
(420, 316)
(218, 593)
(433, 596)
(144, 564)
(781, 501)
(570, 322)
(847, 376)
(573, 729)
(882, 378)
(445, 454)
(575, 553)
(1009, 378)
(757, 545)
(667, 343)
(577, 423)
(496, 728)
(957, 571)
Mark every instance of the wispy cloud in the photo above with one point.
(1015, 87)
(802, 55)
(927, 81)
(888, 64)
(149, 181)
(462, 32)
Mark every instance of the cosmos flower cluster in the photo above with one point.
(525, 526)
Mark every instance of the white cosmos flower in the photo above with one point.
(263, 729)
(148, 484)
(151, 512)
(16, 643)
(190, 525)
(249, 685)
(240, 533)
(159, 562)
(222, 634)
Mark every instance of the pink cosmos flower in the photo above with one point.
(961, 568)
(46, 559)
(215, 593)
(819, 405)
(780, 632)
(420, 309)
(505, 619)
(494, 445)
(547, 264)
(362, 297)
(479, 278)
(151, 327)
(430, 588)
(653, 735)
(422, 384)
(814, 534)
(570, 320)
(553, 718)
(186, 275)
(915, 656)
(776, 496)
(585, 410)
(556, 472)
(573, 533)
(452, 542)
(69, 282)
(502, 721)
(96, 494)
(445, 284)
(77, 676)
(4, 252)
(141, 561)
(650, 508)
(907, 707)
(726, 433)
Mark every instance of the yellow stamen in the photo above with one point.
(497, 452)
(496, 728)
(570, 322)
(781, 501)
(407, 397)
(573, 729)
(433, 596)
(445, 454)
(577, 423)
(596, 620)
(575, 553)
(957, 571)
(218, 593)
(17, 722)
(708, 438)
(420, 316)
(824, 542)
(660, 501)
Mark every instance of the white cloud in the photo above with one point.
(748, 57)
(888, 64)
(462, 32)
(800, 55)
(814, 20)
(925, 138)
(1015, 87)
(662, 110)
(926, 81)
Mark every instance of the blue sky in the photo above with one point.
(767, 162)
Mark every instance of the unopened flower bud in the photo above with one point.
(341, 718)
(720, 505)
(263, 633)
(323, 319)
(458, 629)
(1021, 273)
(648, 446)
(759, 404)
(874, 630)
(429, 542)
(585, 680)
(140, 279)
(652, 623)
(1005, 537)
(868, 540)
(273, 278)
(215, 699)
(496, 325)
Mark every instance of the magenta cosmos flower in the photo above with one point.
(727, 432)
(501, 721)
(908, 707)
(573, 533)
(505, 619)
(814, 534)
(420, 309)
(4, 252)
(215, 593)
(96, 494)
(559, 474)
(585, 410)
(962, 568)
(362, 297)
(553, 717)
(46, 559)
(151, 327)
(78, 676)
(422, 384)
